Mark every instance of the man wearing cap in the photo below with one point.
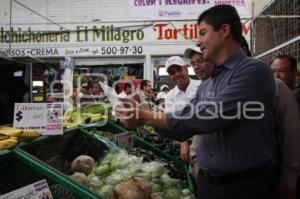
(184, 91)
(203, 70)
(164, 89)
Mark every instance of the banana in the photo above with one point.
(6, 128)
(8, 143)
(10, 131)
(3, 137)
(29, 134)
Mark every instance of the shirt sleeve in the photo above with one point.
(253, 82)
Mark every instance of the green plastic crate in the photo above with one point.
(57, 152)
(17, 171)
(138, 142)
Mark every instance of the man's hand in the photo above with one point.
(128, 113)
(184, 151)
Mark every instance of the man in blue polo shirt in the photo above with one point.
(233, 112)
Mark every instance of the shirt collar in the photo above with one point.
(234, 59)
(177, 90)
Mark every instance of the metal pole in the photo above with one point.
(10, 28)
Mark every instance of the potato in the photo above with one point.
(81, 179)
(135, 188)
(83, 164)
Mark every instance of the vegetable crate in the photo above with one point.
(17, 171)
(140, 143)
(57, 152)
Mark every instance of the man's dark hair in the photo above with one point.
(127, 85)
(144, 83)
(245, 46)
(292, 61)
(223, 14)
(91, 83)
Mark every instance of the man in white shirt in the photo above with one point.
(184, 91)
(164, 89)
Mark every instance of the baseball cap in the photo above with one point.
(188, 52)
(163, 86)
(84, 85)
(175, 60)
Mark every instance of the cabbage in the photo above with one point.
(154, 168)
(122, 160)
(105, 190)
(95, 181)
(172, 194)
(145, 175)
(115, 178)
(186, 192)
(168, 182)
(156, 187)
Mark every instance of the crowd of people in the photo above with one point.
(238, 122)
(233, 153)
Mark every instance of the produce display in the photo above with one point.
(165, 144)
(89, 113)
(9, 136)
(123, 176)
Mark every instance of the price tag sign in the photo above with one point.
(124, 140)
(38, 190)
(45, 118)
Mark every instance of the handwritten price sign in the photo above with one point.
(45, 118)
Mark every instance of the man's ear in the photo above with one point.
(225, 31)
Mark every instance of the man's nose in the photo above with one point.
(276, 74)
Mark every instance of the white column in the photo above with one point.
(68, 84)
(148, 68)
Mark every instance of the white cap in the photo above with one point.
(188, 52)
(163, 86)
(84, 85)
(175, 60)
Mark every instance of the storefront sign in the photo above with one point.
(180, 9)
(76, 51)
(45, 118)
(104, 33)
(38, 190)
(85, 41)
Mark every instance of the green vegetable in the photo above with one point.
(186, 192)
(95, 181)
(156, 187)
(154, 168)
(115, 178)
(105, 190)
(168, 182)
(102, 170)
(172, 194)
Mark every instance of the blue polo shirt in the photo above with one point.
(233, 112)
